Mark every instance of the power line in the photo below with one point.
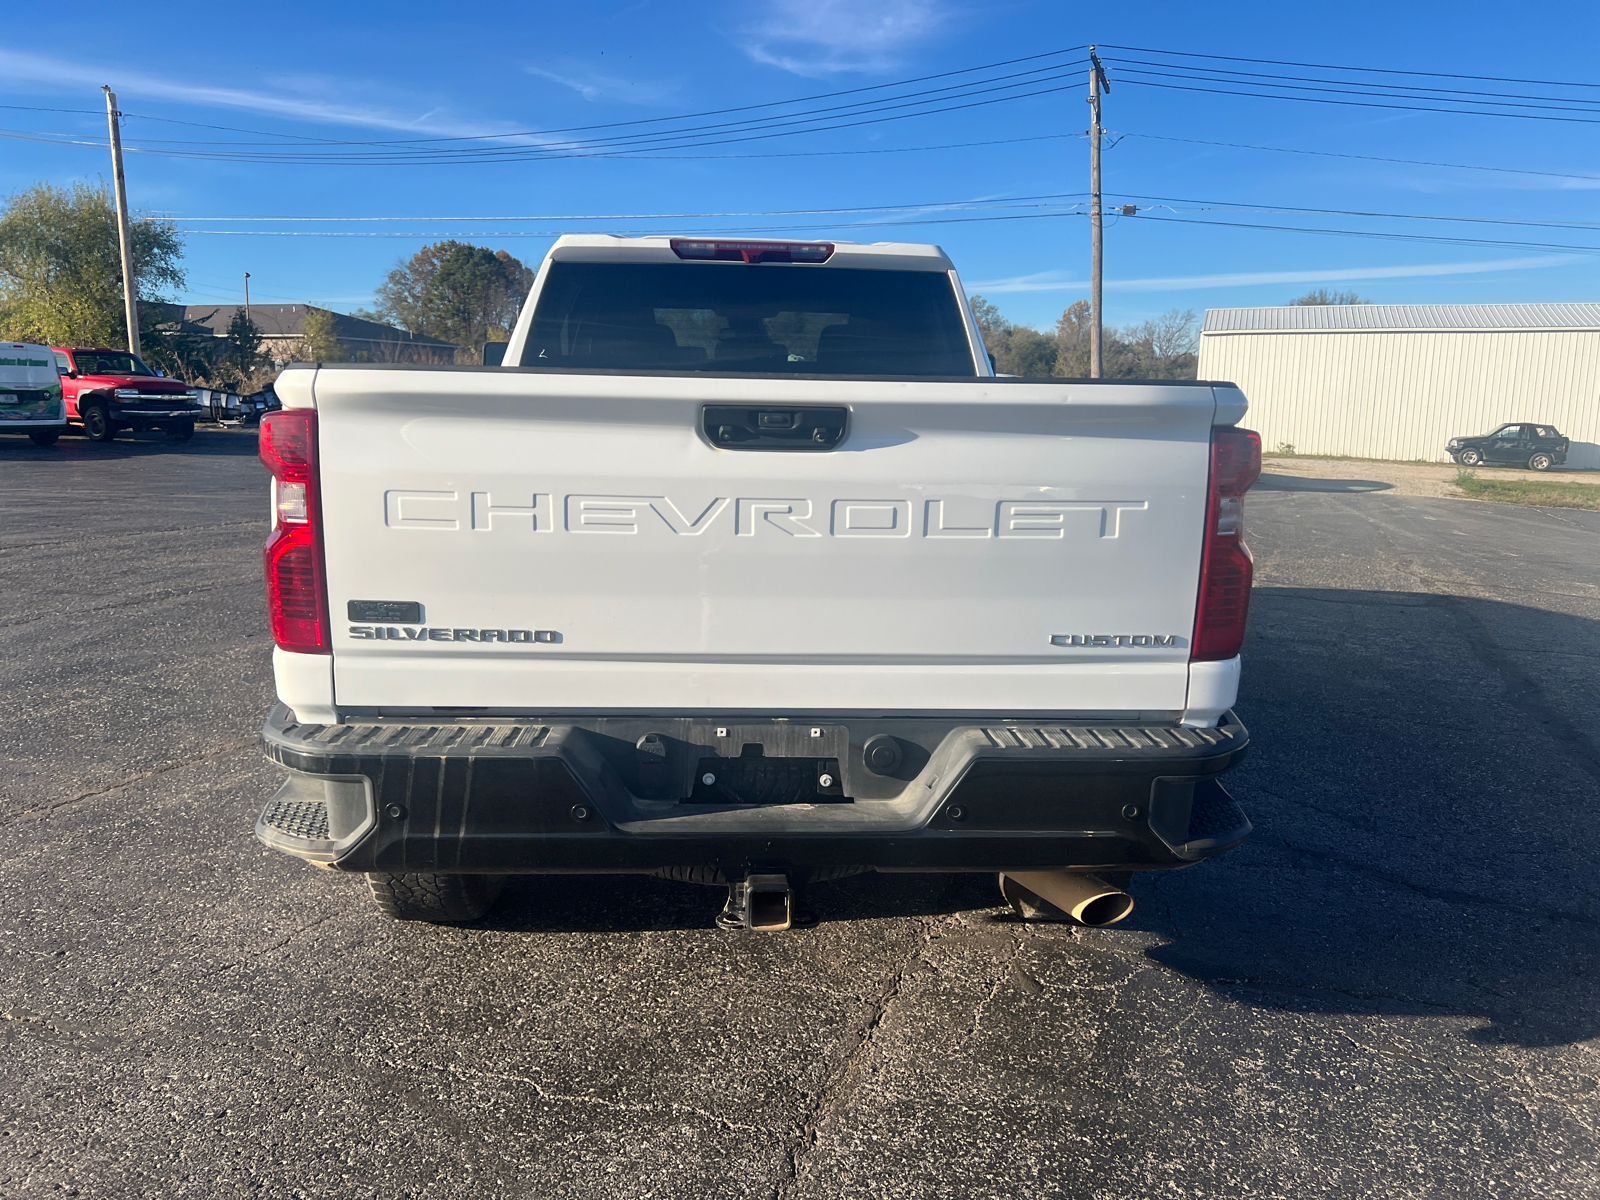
(423, 143)
(1340, 87)
(53, 139)
(1227, 206)
(577, 151)
(1413, 162)
(1377, 234)
(1431, 92)
(1272, 62)
(877, 87)
(720, 231)
(28, 135)
(708, 135)
(927, 207)
(660, 136)
(911, 99)
(1173, 220)
(967, 94)
(717, 112)
(88, 112)
(1041, 137)
(1461, 112)
(994, 202)
(1075, 211)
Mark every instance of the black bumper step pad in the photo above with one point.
(306, 819)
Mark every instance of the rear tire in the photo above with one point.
(97, 423)
(43, 437)
(180, 431)
(442, 899)
(1541, 462)
(1469, 458)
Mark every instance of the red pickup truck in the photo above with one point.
(108, 390)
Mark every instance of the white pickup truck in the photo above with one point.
(747, 569)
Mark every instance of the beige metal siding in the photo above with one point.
(1397, 394)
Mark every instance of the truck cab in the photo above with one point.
(110, 390)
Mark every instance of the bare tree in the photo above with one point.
(1174, 333)
(1318, 296)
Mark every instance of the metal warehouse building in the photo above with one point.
(1400, 380)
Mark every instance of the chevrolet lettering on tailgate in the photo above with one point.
(750, 515)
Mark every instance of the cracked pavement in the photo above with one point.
(1390, 990)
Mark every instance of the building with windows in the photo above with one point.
(1398, 381)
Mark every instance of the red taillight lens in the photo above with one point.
(295, 603)
(289, 443)
(1226, 567)
(297, 597)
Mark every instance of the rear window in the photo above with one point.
(778, 319)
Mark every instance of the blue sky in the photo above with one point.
(275, 77)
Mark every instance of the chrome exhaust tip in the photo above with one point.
(1084, 898)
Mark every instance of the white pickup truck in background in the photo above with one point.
(746, 569)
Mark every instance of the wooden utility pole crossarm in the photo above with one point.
(130, 285)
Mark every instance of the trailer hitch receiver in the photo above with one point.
(761, 902)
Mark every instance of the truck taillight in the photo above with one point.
(297, 595)
(1225, 565)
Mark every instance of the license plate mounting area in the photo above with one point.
(770, 765)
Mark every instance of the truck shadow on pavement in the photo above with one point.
(1427, 804)
(638, 903)
(1425, 808)
(1302, 483)
(208, 443)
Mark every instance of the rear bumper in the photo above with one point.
(513, 796)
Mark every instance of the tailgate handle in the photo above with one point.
(771, 427)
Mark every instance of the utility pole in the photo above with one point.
(247, 295)
(130, 286)
(1097, 83)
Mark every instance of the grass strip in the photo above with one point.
(1530, 491)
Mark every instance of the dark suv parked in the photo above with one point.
(1537, 447)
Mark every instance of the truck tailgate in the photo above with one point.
(577, 542)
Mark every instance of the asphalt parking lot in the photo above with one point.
(1392, 989)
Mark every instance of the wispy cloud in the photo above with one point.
(597, 85)
(1055, 281)
(833, 37)
(296, 99)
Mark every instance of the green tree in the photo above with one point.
(320, 333)
(61, 269)
(242, 359)
(188, 356)
(1017, 349)
(457, 292)
(1072, 342)
(1318, 296)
